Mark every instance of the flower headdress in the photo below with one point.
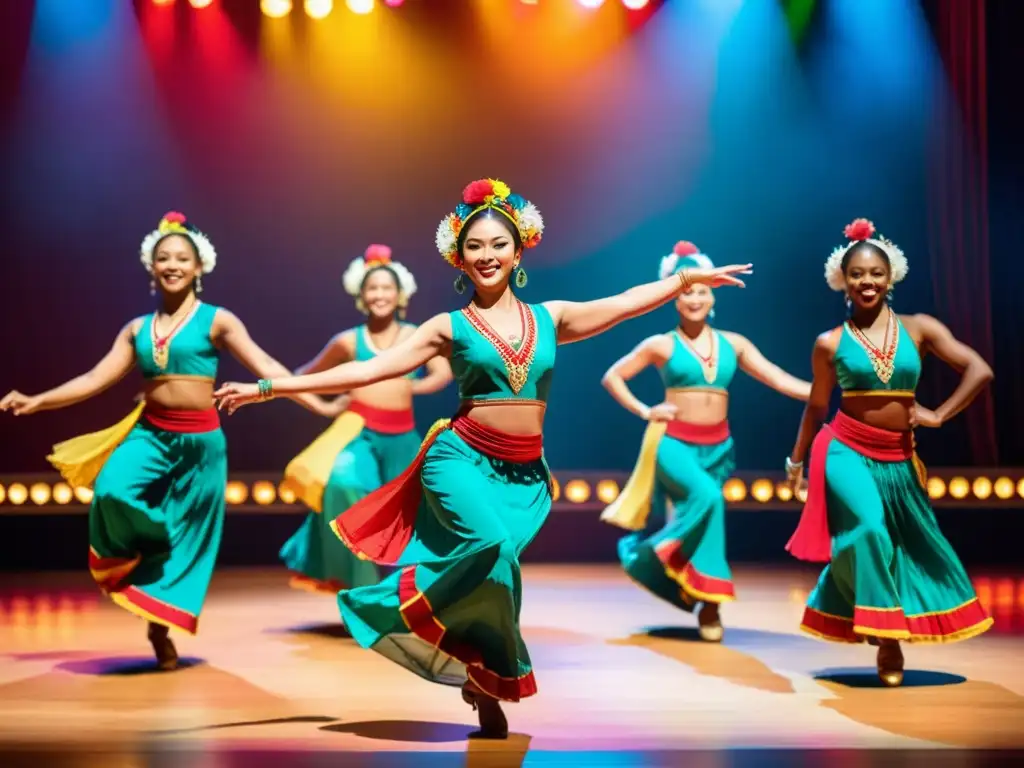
(480, 196)
(175, 223)
(862, 230)
(376, 257)
(684, 254)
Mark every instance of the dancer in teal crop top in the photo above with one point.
(457, 520)
(687, 452)
(371, 442)
(158, 477)
(891, 574)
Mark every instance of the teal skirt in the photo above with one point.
(156, 520)
(450, 612)
(682, 558)
(892, 574)
(316, 557)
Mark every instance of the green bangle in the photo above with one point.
(266, 388)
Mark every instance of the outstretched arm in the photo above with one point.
(335, 352)
(756, 365)
(233, 334)
(107, 372)
(975, 372)
(625, 368)
(576, 321)
(439, 374)
(427, 341)
(817, 404)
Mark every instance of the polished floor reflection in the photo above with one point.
(273, 680)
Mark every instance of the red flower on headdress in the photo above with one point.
(377, 253)
(685, 248)
(475, 192)
(175, 217)
(859, 229)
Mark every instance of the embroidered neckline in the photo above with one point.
(162, 346)
(517, 359)
(883, 360)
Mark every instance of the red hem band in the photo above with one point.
(182, 422)
(698, 434)
(385, 420)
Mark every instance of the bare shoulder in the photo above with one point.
(826, 343)
(738, 340)
(132, 327)
(438, 327)
(657, 347)
(920, 322)
(345, 341)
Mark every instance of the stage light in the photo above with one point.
(734, 489)
(62, 493)
(634, 5)
(263, 492)
(1020, 487)
(783, 492)
(163, 2)
(17, 493)
(393, 3)
(801, 495)
(1003, 488)
(556, 489)
(83, 494)
(319, 9)
(3, 493)
(236, 492)
(39, 493)
(762, 490)
(958, 487)
(285, 493)
(936, 487)
(276, 9)
(982, 487)
(200, 3)
(591, 3)
(577, 491)
(607, 491)
(359, 6)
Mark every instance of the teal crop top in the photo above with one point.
(366, 351)
(189, 351)
(856, 374)
(480, 369)
(683, 370)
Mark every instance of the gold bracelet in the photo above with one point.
(684, 279)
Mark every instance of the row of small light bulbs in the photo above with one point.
(576, 491)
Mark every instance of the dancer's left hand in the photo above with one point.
(924, 417)
(232, 396)
(720, 276)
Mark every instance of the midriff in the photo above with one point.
(514, 417)
(390, 395)
(885, 410)
(698, 405)
(180, 393)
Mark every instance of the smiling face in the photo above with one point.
(489, 251)
(380, 293)
(694, 305)
(176, 264)
(868, 277)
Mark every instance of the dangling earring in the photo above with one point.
(521, 277)
(152, 287)
(199, 283)
(711, 314)
(849, 305)
(460, 283)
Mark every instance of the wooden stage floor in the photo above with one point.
(273, 680)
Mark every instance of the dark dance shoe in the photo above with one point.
(890, 664)
(163, 648)
(493, 724)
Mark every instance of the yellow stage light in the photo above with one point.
(556, 489)
(236, 492)
(285, 493)
(17, 493)
(83, 494)
(783, 492)
(39, 493)
(577, 491)
(734, 489)
(982, 487)
(1020, 487)
(276, 9)
(263, 492)
(319, 9)
(762, 490)
(1003, 487)
(200, 3)
(607, 491)
(360, 6)
(634, 5)
(936, 487)
(3, 493)
(62, 493)
(959, 487)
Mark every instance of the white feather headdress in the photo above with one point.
(377, 256)
(862, 230)
(174, 223)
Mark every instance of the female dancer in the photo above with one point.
(158, 504)
(684, 561)
(891, 574)
(372, 441)
(458, 519)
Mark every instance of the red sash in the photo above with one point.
(812, 541)
(384, 420)
(699, 434)
(379, 526)
(182, 422)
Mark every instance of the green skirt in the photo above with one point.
(450, 612)
(892, 574)
(316, 557)
(156, 520)
(683, 560)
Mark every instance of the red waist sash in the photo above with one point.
(384, 420)
(699, 434)
(812, 541)
(184, 422)
(379, 526)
